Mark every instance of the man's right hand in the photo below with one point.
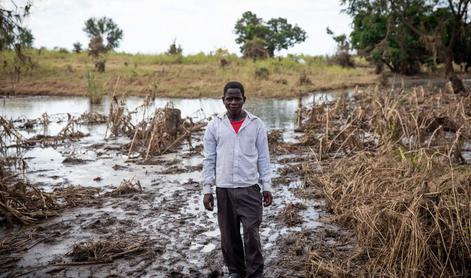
(208, 201)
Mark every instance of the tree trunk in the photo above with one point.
(449, 62)
(457, 84)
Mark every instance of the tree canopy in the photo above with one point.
(273, 35)
(405, 34)
(12, 31)
(99, 29)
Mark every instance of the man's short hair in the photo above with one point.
(234, 85)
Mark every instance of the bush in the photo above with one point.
(77, 47)
(256, 49)
(174, 49)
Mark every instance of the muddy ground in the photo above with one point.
(162, 229)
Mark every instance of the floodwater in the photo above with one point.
(276, 113)
(169, 212)
(45, 163)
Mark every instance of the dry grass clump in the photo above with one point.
(103, 251)
(290, 214)
(398, 178)
(411, 212)
(320, 266)
(126, 187)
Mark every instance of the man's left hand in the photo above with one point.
(267, 198)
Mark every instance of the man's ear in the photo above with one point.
(222, 98)
(244, 98)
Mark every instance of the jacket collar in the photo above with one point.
(250, 116)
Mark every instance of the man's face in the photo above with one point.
(233, 100)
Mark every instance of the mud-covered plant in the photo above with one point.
(23, 203)
(127, 187)
(106, 250)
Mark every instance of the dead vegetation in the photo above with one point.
(90, 118)
(106, 250)
(393, 171)
(20, 201)
(75, 196)
(126, 187)
(156, 134)
(24, 203)
(10, 136)
(15, 243)
(275, 137)
(290, 214)
(119, 119)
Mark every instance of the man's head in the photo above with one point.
(234, 97)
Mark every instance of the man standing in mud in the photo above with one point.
(237, 162)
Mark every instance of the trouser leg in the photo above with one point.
(250, 212)
(229, 226)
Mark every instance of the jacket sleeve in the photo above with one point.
(263, 162)
(209, 161)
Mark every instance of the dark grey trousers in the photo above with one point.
(236, 206)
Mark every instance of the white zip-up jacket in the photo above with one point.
(233, 159)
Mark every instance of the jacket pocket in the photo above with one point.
(247, 145)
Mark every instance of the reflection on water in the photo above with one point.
(276, 113)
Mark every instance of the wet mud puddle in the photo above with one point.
(181, 239)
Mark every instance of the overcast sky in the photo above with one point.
(150, 26)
